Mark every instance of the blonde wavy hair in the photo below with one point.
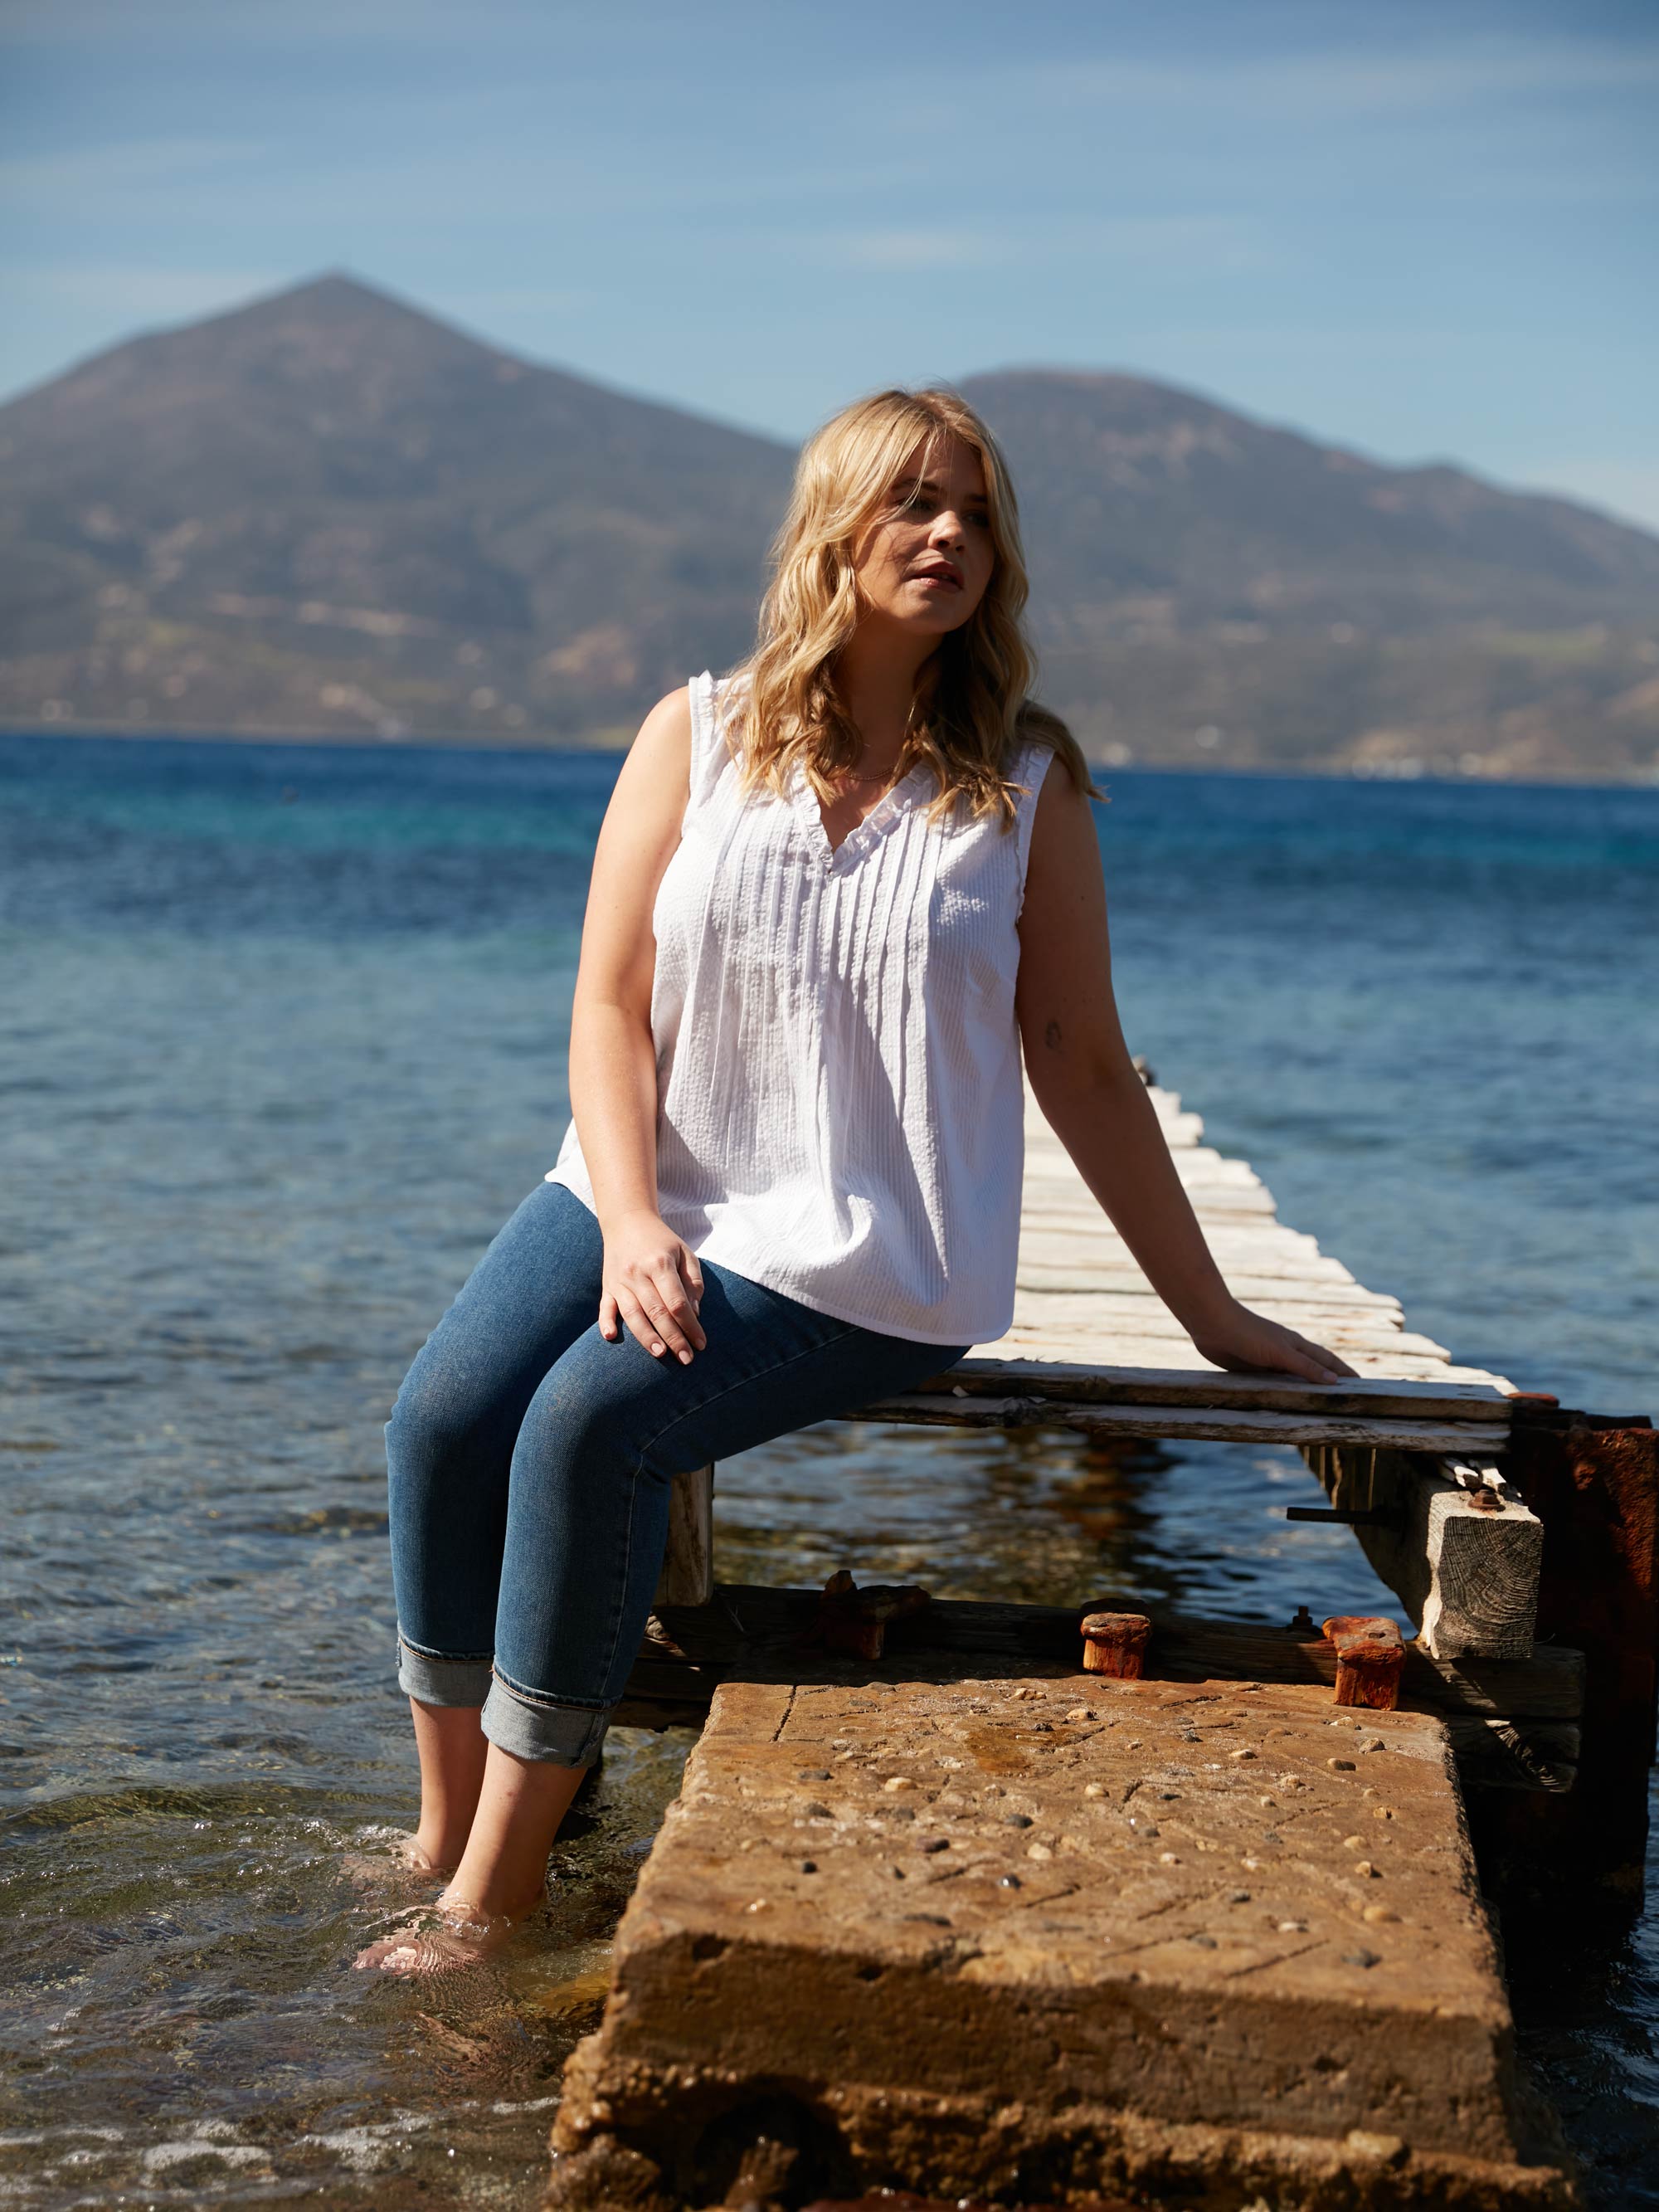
(972, 708)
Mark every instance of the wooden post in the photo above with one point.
(688, 1566)
(1458, 1549)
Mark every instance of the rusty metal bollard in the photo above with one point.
(1370, 1659)
(1116, 1644)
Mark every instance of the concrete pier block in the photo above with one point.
(1054, 1941)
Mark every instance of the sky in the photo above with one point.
(1421, 229)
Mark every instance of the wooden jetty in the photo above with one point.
(1046, 2012)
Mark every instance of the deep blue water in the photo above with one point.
(282, 1041)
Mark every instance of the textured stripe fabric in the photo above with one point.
(841, 1112)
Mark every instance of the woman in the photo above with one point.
(832, 898)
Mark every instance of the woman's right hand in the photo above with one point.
(651, 1284)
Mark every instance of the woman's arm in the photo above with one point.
(1097, 1104)
(652, 1282)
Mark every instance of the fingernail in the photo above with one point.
(685, 1359)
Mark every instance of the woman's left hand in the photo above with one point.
(1241, 1341)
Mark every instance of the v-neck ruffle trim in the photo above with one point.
(886, 811)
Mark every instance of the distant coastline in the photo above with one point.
(1325, 771)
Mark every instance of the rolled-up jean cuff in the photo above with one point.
(532, 1726)
(437, 1682)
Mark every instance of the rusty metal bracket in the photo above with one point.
(855, 1621)
(1351, 1517)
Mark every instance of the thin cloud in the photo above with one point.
(1347, 83)
(153, 295)
(1185, 241)
(65, 176)
(913, 249)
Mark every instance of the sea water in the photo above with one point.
(282, 1037)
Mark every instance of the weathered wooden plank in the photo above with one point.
(1124, 1348)
(1467, 1577)
(1474, 1400)
(1049, 1247)
(1221, 1424)
(1100, 1266)
(1312, 1313)
(1101, 1311)
(1199, 1166)
(1266, 1245)
(1057, 1200)
(1108, 1267)
(1082, 1308)
(1141, 1344)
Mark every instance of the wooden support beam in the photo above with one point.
(688, 1567)
(753, 1632)
(1221, 1424)
(1594, 1483)
(1448, 1399)
(1468, 1577)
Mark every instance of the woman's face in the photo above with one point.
(925, 566)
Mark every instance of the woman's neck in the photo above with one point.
(876, 673)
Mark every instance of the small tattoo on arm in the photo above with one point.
(1051, 1037)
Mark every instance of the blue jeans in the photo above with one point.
(531, 1462)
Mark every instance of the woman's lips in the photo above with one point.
(945, 583)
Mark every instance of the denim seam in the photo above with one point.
(743, 1382)
(447, 1658)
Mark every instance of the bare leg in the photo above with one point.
(451, 1747)
(501, 1871)
(519, 1809)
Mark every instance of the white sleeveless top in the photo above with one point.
(841, 1112)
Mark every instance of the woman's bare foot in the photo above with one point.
(502, 1872)
(398, 1862)
(441, 1939)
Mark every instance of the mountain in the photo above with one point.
(1204, 586)
(329, 512)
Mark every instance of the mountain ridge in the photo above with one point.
(331, 512)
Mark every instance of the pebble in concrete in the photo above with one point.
(1102, 1976)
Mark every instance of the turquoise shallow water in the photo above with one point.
(281, 1039)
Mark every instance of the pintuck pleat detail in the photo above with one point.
(841, 1111)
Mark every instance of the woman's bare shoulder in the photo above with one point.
(659, 756)
(669, 722)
